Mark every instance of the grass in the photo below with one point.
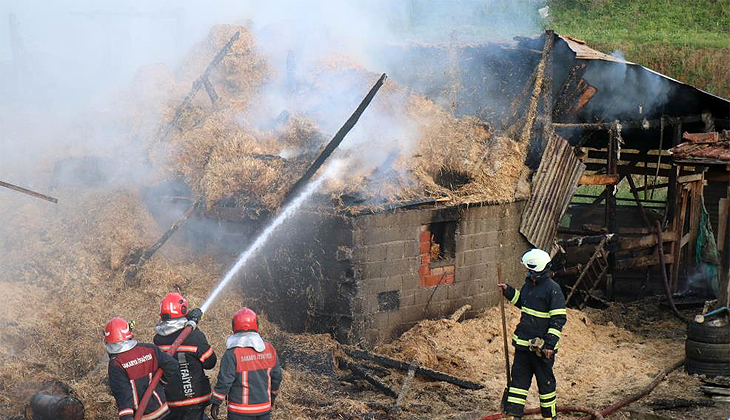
(687, 40)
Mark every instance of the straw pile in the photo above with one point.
(473, 349)
(404, 147)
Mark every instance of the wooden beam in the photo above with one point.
(684, 179)
(643, 124)
(28, 192)
(599, 179)
(643, 261)
(647, 241)
(394, 363)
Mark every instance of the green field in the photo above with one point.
(688, 40)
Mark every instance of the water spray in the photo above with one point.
(330, 171)
(299, 193)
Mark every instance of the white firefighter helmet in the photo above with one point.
(536, 260)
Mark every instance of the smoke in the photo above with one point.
(84, 84)
(628, 91)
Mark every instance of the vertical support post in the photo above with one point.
(679, 230)
(672, 189)
(724, 294)
(611, 169)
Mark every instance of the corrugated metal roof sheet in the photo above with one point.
(584, 52)
(553, 186)
(703, 148)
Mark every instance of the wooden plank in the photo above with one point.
(689, 178)
(643, 261)
(694, 218)
(598, 179)
(626, 243)
(684, 241)
(722, 223)
(625, 169)
(28, 192)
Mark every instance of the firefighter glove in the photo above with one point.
(195, 315)
(214, 409)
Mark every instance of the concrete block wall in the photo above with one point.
(397, 282)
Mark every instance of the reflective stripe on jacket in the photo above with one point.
(130, 373)
(191, 386)
(248, 379)
(543, 311)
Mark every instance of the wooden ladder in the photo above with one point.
(592, 274)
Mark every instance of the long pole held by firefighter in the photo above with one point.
(320, 160)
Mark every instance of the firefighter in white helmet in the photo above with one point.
(537, 336)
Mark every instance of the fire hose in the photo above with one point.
(158, 375)
(599, 415)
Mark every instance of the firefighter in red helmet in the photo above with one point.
(250, 372)
(188, 393)
(131, 368)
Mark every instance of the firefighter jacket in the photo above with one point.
(130, 373)
(543, 311)
(250, 375)
(191, 387)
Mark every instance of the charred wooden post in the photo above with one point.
(54, 407)
(429, 373)
(724, 295)
(201, 81)
(28, 192)
(611, 168)
(361, 372)
(137, 258)
(403, 391)
(336, 140)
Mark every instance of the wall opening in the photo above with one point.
(437, 246)
(443, 242)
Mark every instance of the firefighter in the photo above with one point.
(250, 373)
(188, 393)
(537, 335)
(131, 368)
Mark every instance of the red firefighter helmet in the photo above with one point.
(245, 320)
(116, 330)
(174, 305)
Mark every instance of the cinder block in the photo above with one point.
(371, 270)
(471, 257)
(393, 283)
(479, 271)
(407, 298)
(376, 252)
(491, 239)
(490, 254)
(395, 250)
(464, 273)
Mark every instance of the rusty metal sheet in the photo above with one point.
(553, 186)
(703, 148)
